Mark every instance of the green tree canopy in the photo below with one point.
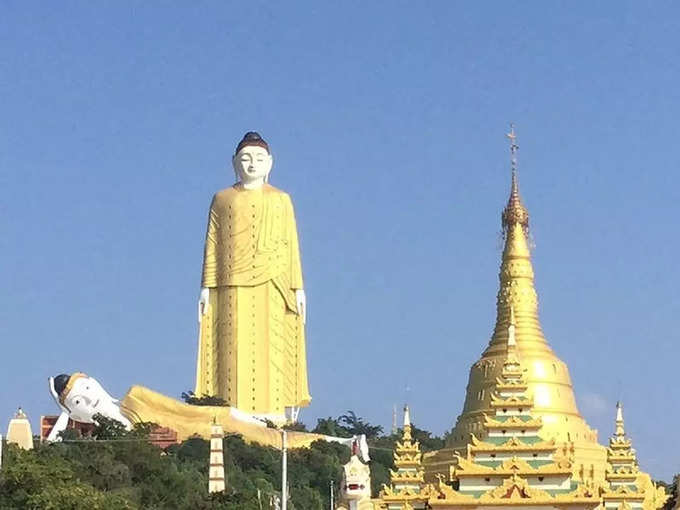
(120, 469)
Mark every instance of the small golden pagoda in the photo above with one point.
(628, 487)
(19, 431)
(406, 482)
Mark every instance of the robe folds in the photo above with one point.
(142, 405)
(251, 343)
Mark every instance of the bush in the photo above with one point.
(120, 469)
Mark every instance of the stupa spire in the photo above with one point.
(514, 212)
(620, 430)
(517, 292)
(407, 480)
(628, 486)
(518, 335)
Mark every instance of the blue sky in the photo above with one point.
(387, 122)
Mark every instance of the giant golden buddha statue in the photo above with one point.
(548, 378)
(252, 308)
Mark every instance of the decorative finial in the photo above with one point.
(620, 431)
(514, 186)
(514, 212)
(513, 152)
(407, 416)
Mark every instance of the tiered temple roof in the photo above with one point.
(405, 491)
(511, 460)
(509, 464)
(628, 488)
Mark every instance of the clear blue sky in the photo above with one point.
(387, 123)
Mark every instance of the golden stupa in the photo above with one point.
(520, 440)
(510, 462)
(548, 377)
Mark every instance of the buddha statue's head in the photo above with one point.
(79, 394)
(252, 161)
(82, 397)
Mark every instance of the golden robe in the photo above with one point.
(144, 405)
(251, 342)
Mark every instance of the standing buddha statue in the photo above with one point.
(252, 306)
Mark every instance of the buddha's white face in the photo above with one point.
(252, 165)
(85, 399)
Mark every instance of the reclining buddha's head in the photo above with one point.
(80, 395)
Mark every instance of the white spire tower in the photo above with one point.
(216, 472)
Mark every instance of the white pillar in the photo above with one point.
(284, 471)
(216, 471)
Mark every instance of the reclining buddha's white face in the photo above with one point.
(83, 397)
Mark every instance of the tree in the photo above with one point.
(204, 400)
(330, 427)
(45, 479)
(76, 496)
(120, 469)
(356, 426)
(107, 428)
(427, 441)
(298, 426)
(672, 491)
(69, 435)
(305, 498)
(314, 468)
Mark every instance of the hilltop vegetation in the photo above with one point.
(117, 469)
